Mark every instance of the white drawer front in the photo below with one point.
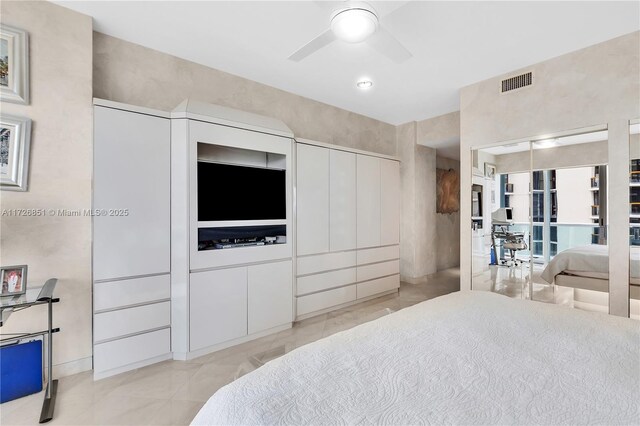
(325, 262)
(378, 254)
(116, 294)
(369, 272)
(326, 299)
(369, 288)
(122, 352)
(319, 282)
(112, 324)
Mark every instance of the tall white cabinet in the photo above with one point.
(131, 238)
(347, 223)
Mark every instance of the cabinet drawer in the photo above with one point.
(116, 294)
(109, 325)
(378, 254)
(369, 288)
(325, 262)
(122, 352)
(326, 299)
(376, 270)
(319, 282)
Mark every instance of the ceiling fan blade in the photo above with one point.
(314, 45)
(329, 5)
(389, 46)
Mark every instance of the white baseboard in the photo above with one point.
(72, 367)
(182, 356)
(346, 304)
(97, 375)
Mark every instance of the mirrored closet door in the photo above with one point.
(501, 219)
(570, 255)
(540, 220)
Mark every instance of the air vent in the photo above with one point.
(517, 82)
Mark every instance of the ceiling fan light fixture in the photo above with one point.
(354, 25)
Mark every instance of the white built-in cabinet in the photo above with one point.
(348, 228)
(158, 293)
(313, 200)
(229, 304)
(131, 238)
(342, 200)
(223, 297)
(368, 201)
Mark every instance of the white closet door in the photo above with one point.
(270, 295)
(342, 202)
(132, 182)
(312, 199)
(218, 306)
(368, 201)
(390, 202)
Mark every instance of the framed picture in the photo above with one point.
(14, 65)
(490, 170)
(14, 280)
(15, 138)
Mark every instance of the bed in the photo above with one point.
(464, 358)
(587, 268)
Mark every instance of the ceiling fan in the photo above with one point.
(355, 22)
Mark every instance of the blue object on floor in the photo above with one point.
(20, 370)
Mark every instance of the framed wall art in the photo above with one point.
(490, 170)
(15, 138)
(14, 65)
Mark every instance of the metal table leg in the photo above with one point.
(48, 405)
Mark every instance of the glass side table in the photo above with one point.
(35, 297)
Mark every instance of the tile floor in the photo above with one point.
(172, 392)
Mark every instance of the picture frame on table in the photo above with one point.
(15, 140)
(490, 170)
(14, 280)
(14, 65)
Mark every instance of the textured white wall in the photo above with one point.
(59, 176)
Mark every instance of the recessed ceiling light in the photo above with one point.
(364, 84)
(546, 143)
(354, 24)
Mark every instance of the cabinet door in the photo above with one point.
(368, 201)
(390, 202)
(218, 307)
(312, 199)
(342, 200)
(131, 171)
(270, 296)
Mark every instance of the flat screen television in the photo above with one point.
(232, 192)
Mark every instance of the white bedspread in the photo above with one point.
(588, 261)
(464, 358)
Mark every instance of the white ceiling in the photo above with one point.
(454, 44)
